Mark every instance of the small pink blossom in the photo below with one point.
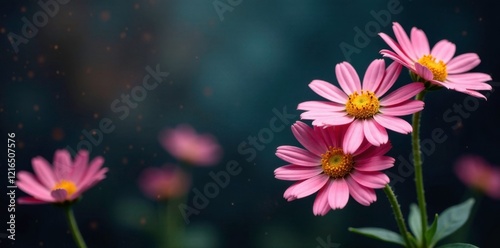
(65, 180)
(332, 166)
(477, 173)
(186, 145)
(164, 183)
(366, 107)
(436, 65)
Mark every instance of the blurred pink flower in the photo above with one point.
(186, 145)
(164, 183)
(333, 166)
(436, 65)
(65, 181)
(477, 173)
(366, 107)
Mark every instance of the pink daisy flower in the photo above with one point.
(164, 183)
(477, 173)
(186, 145)
(65, 181)
(363, 106)
(333, 167)
(438, 65)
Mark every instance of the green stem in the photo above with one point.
(174, 223)
(398, 215)
(417, 162)
(75, 232)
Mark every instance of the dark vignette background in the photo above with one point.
(226, 77)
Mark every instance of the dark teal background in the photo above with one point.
(225, 78)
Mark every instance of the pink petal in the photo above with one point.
(43, 172)
(90, 176)
(308, 138)
(472, 93)
(313, 115)
(333, 121)
(462, 63)
(323, 134)
(420, 42)
(374, 75)
(30, 200)
(298, 156)
(377, 163)
(469, 168)
(404, 93)
(296, 173)
(374, 151)
(392, 55)
(353, 137)
(80, 166)
(321, 106)
(374, 133)
(31, 186)
(493, 190)
(470, 85)
(404, 41)
(98, 176)
(393, 123)
(391, 75)
(59, 195)
(321, 206)
(443, 50)
(395, 46)
(423, 72)
(338, 193)
(309, 186)
(372, 179)
(404, 108)
(347, 78)
(288, 192)
(365, 196)
(62, 164)
(365, 146)
(328, 91)
(471, 76)
(338, 135)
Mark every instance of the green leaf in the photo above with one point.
(415, 222)
(458, 245)
(380, 234)
(432, 230)
(452, 219)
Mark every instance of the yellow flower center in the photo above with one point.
(336, 163)
(69, 186)
(438, 69)
(362, 106)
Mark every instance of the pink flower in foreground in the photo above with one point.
(438, 65)
(164, 183)
(333, 167)
(65, 181)
(188, 146)
(363, 105)
(477, 173)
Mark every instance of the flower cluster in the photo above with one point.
(345, 149)
(190, 149)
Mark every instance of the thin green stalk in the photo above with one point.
(174, 223)
(417, 163)
(75, 232)
(398, 215)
